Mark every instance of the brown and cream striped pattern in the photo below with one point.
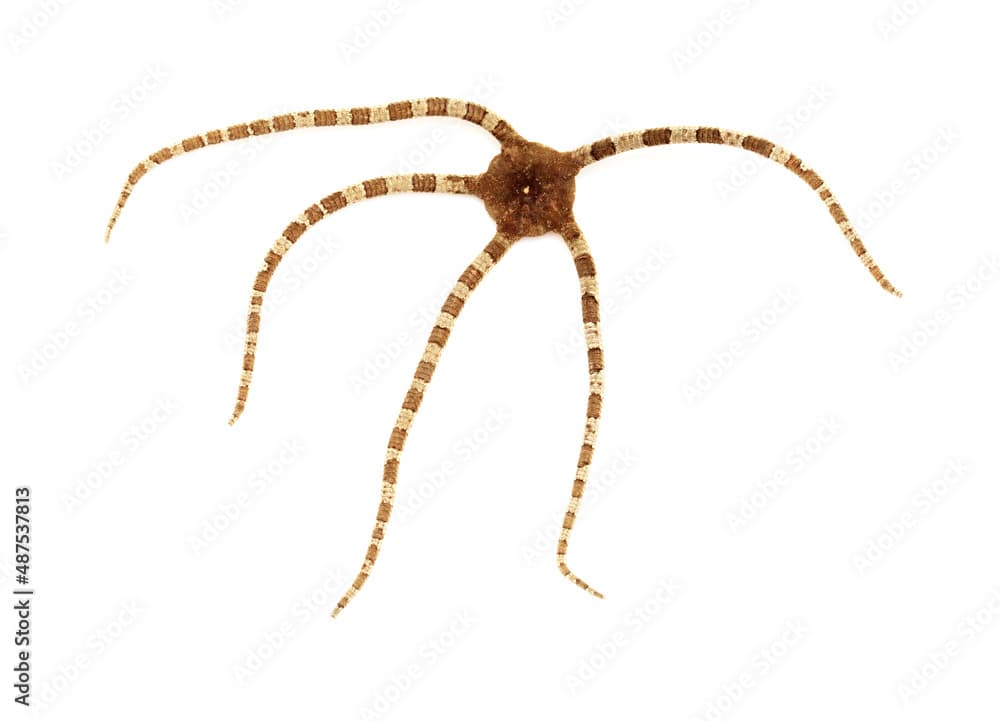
(528, 189)
(718, 136)
(453, 305)
(587, 274)
(403, 110)
(419, 183)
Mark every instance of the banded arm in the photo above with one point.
(403, 110)
(590, 307)
(613, 145)
(439, 335)
(313, 214)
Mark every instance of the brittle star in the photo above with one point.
(528, 189)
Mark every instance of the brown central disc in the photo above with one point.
(529, 189)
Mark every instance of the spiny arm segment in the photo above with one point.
(587, 274)
(453, 305)
(685, 134)
(312, 215)
(403, 110)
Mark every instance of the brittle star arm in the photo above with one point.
(421, 183)
(403, 110)
(439, 335)
(587, 274)
(682, 134)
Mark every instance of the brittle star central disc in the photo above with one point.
(529, 189)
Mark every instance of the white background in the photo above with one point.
(860, 586)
